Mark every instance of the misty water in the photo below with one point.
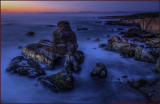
(21, 89)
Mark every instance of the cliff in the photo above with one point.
(146, 21)
(150, 24)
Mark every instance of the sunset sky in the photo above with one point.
(77, 6)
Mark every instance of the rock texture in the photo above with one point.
(64, 39)
(40, 51)
(64, 44)
(100, 70)
(62, 81)
(143, 55)
(146, 21)
(26, 67)
(149, 89)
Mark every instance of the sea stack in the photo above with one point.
(64, 40)
(64, 45)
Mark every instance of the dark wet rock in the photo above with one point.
(97, 39)
(64, 39)
(149, 89)
(26, 67)
(102, 45)
(157, 67)
(88, 38)
(122, 32)
(20, 47)
(125, 76)
(82, 29)
(127, 51)
(62, 81)
(73, 61)
(40, 51)
(143, 55)
(107, 35)
(152, 42)
(50, 25)
(100, 70)
(120, 28)
(131, 32)
(30, 34)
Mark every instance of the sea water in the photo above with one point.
(21, 89)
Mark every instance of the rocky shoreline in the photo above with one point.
(146, 31)
(64, 45)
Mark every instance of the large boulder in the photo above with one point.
(26, 67)
(99, 70)
(62, 81)
(143, 55)
(64, 39)
(127, 51)
(40, 51)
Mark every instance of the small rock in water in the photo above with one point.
(120, 29)
(97, 39)
(107, 35)
(30, 34)
(88, 38)
(82, 29)
(100, 70)
(49, 25)
(124, 76)
(101, 45)
(19, 47)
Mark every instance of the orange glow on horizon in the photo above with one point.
(25, 6)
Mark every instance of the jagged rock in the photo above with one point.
(72, 61)
(127, 51)
(64, 40)
(152, 42)
(30, 34)
(100, 70)
(131, 32)
(62, 81)
(149, 89)
(143, 55)
(40, 51)
(24, 66)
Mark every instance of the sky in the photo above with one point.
(78, 6)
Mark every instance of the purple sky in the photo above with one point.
(76, 6)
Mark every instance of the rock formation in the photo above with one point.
(25, 66)
(64, 44)
(62, 81)
(100, 70)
